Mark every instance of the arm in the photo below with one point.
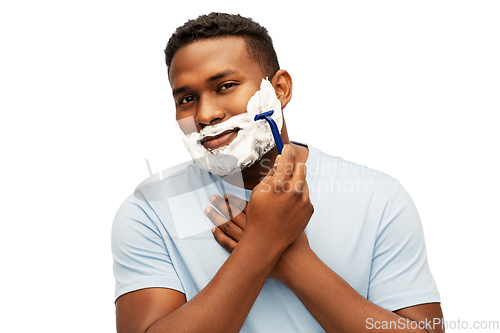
(230, 294)
(223, 305)
(332, 301)
(339, 308)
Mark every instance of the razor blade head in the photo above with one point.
(263, 115)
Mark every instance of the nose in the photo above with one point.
(209, 111)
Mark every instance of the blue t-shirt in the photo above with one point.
(365, 227)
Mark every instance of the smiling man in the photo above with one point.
(272, 263)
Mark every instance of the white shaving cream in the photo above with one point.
(254, 138)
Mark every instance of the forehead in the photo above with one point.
(208, 56)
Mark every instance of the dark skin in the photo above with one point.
(212, 81)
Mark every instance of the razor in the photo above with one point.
(274, 128)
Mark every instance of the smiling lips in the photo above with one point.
(217, 141)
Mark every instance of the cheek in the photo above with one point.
(237, 103)
(187, 125)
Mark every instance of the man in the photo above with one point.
(360, 264)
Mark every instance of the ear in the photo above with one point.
(282, 84)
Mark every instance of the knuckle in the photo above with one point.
(289, 149)
(225, 226)
(299, 187)
(225, 244)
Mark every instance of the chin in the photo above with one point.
(258, 153)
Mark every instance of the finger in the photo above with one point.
(299, 176)
(305, 197)
(238, 210)
(305, 190)
(221, 205)
(265, 183)
(272, 172)
(236, 204)
(268, 177)
(228, 227)
(232, 230)
(225, 241)
(286, 165)
(214, 216)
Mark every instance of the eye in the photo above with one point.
(227, 86)
(186, 100)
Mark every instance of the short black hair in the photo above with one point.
(214, 25)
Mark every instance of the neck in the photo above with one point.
(255, 173)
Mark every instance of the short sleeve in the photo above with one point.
(140, 257)
(400, 276)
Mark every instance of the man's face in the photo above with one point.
(212, 81)
(218, 91)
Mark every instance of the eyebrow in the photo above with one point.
(180, 90)
(213, 78)
(221, 75)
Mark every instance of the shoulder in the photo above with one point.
(133, 221)
(173, 181)
(149, 208)
(139, 207)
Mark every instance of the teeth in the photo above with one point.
(202, 137)
(214, 136)
(228, 125)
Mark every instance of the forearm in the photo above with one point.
(224, 303)
(332, 301)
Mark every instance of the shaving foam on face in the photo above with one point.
(254, 138)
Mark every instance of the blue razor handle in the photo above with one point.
(274, 128)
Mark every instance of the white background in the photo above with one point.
(408, 88)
